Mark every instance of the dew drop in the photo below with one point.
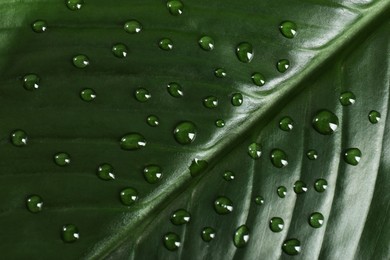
(241, 236)
(180, 217)
(206, 43)
(237, 99)
(105, 172)
(31, 81)
(87, 94)
(153, 173)
(254, 150)
(132, 26)
(166, 44)
(245, 52)
(19, 138)
(286, 124)
(276, 224)
(291, 246)
(352, 156)
(80, 61)
(320, 185)
(62, 159)
(279, 158)
(259, 200)
(210, 102)
(175, 7)
(374, 116)
(347, 98)
(208, 234)
(282, 191)
(223, 205)
(312, 154)
(197, 167)
(185, 132)
(39, 26)
(142, 95)
(316, 220)
(120, 50)
(288, 29)
(171, 241)
(175, 90)
(220, 73)
(34, 203)
(128, 196)
(220, 123)
(283, 65)
(132, 141)
(258, 79)
(70, 233)
(229, 176)
(74, 4)
(325, 122)
(300, 187)
(153, 120)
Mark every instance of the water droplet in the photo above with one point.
(153, 120)
(220, 123)
(245, 52)
(347, 98)
(283, 65)
(241, 236)
(39, 26)
(254, 150)
(87, 94)
(258, 79)
(120, 50)
(282, 191)
(142, 95)
(300, 187)
(31, 81)
(128, 196)
(291, 246)
(180, 217)
(74, 4)
(320, 185)
(206, 43)
(132, 26)
(223, 205)
(208, 234)
(228, 176)
(259, 200)
(276, 224)
(153, 173)
(286, 124)
(325, 122)
(352, 156)
(175, 90)
(279, 158)
(80, 61)
(105, 172)
(34, 203)
(70, 233)
(19, 138)
(210, 102)
(237, 99)
(132, 141)
(171, 241)
(220, 73)
(62, 159)
(288, 29)
(197, 166)
(166, 44)
(312, 154)
(316, 220)
(185, 132)
(175, 7)
(374, 116)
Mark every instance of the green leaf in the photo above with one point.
(110, 147)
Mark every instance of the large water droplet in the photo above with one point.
(281, 191)
(229, 176)
(325, 122)
(352, 156)
(19, 138)
(180, 217)
(153, 173)
(175, 7)
(128, 196)
(197, 166)
(220, 73)
(259, 200)
(74, 4)
(254, 150)
(132, 141)
(105, 172)
(374, 116)
(245, 52)
(80, 61)
(208, 234)
(320, 185)
(171, 241)
(237, 99)
(34, 203)
(210, 102)
(175, 90)
(279, 158)
(347, 98)
(300, 187)
(87, 94)
(39, 26)
(120, 50)
(286, 124)
(316, 220)
(288, 29)
(223, 205)
(206, 43)
(291, 246)
(62, 159)
(153, 120)
(142, 95)
(31, 81)
(241, 236)
(312, 154)
(185, 132)
(283, 65)
(70, 233)
(166, 44)
(258, 79)
(276, 224)
(132, 26)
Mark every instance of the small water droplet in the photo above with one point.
(283, 65)
(87, 94)
(180, 217)
(197, 166)
(171, 241)
(62, 159)
(80, 61)
(220, 73)
(210, 102)
(237, 99)
(220, 123)
(316, 220)
(175, 90)
(223, 205)
(185, 132)
(374, 116)
(70, 233)
(276, 224)
(352, 156)
(132, 141)
(128, 196)
(132, 26)
(300, 187)
(258, 79)
(153, 173)
(229, 176)
(206, 43)
(166, 44)
(254, 150)
(142, 95)
(312, 155)
(241, 236)
(31, 81)
(34, 203)
(39, 26)
(282, 191)
(19, 138)
(320, 185)
(74, 4)
(279, 158)
(286, 124)
(291, 246)
(105, 172)
(120, 50)
(347, 98)
(259, 200)
(288, 29)
(325, 122)
(245, 52)
(175, 7)
(208, 234)
(153, 120)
